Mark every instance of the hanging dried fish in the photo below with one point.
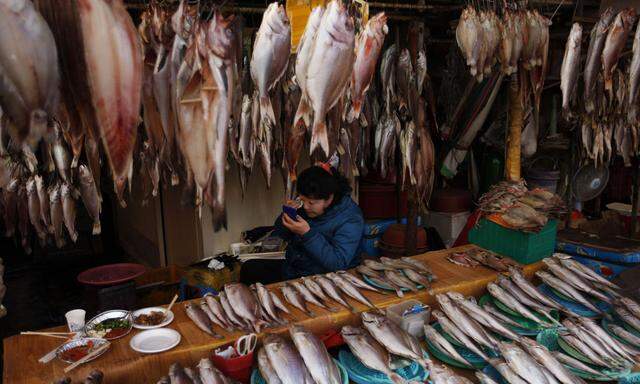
(29, 90)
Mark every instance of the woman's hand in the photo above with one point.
(299, 226)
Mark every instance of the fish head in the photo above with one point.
(221, 36)
(338, 22)
(276, 18)
(372, 318)
(628, 17)
(378, 25)
(455, 296)
(349, 330)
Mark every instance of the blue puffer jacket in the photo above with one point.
(332, 243)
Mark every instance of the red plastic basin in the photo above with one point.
(111, 274)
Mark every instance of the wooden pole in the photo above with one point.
(512, 163)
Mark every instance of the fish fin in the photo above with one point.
(319, 136)
(119, 186)
(97, 228)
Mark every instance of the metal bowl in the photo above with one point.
(79, 342)
(113, 314)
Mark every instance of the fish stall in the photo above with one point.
(147, 147)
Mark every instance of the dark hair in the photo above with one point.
(317, 183)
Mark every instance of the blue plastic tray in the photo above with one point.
(360, 374)
(572, 305)
(599, 254)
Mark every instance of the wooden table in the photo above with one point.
(123, 365)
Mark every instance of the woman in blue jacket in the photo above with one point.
(323, 237)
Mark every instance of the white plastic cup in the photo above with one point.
(75, 320)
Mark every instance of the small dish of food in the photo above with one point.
(110, 325)
(152, 317)
(76, 349)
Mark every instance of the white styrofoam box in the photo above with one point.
(449, 225)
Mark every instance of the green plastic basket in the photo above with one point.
(523, 247)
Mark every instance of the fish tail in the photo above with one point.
(74, 236)
(97, 228)
(319, 136)
(356, 107)
(303, 114)
(119, 185)
(266, 110)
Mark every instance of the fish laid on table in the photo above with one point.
(573, 279)
(593, 62)
(357, 282)
(570, 65)
(216, 308)
(308, 296)
(315, 355)
(393, 338)
(244, 303)
(400, 280)
(315, 288)
(462, 259)
(278, 303)
(479, 314)
(465, 323)
(178, 375)
(200, 319)
(630, 305)
(270, 57)
(544, 357)
(295, 298)
(378, 266)
(350, 290)
(625, 335)
(90, 197)
(575, 363)
(442, 374)
(515, 291)
(526, 286)
(69, 210)
(567, 290)
(614, 44)
(513, 303)
(266, 369)
(193, 375)
(509, 375)
(286, 361)
(266, 300)
(610, 343)
(209, 374)
(29, 91)
(627, 317)
(591, 354)
(367, 47)
(377, 278)
(329, 69)
(442, 344)
(583, 270)
(303, 57)
(214, 319)
(417, 277)
(454, 331)
(484, 379)
(522, 364)
(499, 315)
(113, 50)
(332, 291)
(230, 313)
(369, 352)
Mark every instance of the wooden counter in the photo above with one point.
(123, 365)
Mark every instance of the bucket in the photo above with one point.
(543, 177)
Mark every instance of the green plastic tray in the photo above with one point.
(550, 339)
(523, 247)
(475, 360)
(528, 326)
